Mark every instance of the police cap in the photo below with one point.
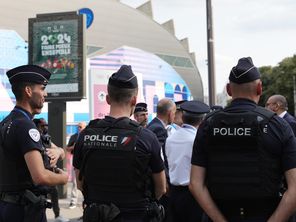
(244, 71)
(178, 103)
(141, 107)
(28, 73)
(124, 78)
(195, 107)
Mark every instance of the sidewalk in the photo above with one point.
(72, 214)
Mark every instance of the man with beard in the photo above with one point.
(23, 175)
(141, 114)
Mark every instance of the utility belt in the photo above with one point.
(111, 213)
(179, 188)
(249, 209)
(25, 198)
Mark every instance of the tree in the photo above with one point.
(279, 80)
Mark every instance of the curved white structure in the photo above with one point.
(114, 25)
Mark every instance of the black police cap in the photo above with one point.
(28, 73)
(244, 71)
(178, 103)
(141, 107)
(124, 78)
(195, 107)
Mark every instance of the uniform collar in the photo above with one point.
(188, 126)
(242, 101)
(23, 111)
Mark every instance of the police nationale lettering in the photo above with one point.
(232, 131)
(100, 140)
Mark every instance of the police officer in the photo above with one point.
(22, 168)
(178, 148)
(141, 114)
(116, 160)
(54, 153)
(240, 155)
(177, 123)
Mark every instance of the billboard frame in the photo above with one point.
(53, 19)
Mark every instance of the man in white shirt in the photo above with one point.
(179, 149)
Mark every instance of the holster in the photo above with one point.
(38, 202)
(100, 213)
(156, 212)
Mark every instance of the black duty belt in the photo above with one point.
(179, 188)
(14, 198)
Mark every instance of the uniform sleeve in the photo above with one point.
(289, 149)
(78, 154)
(157, 164)
(198, 152)
(27, 136)
(72, 140)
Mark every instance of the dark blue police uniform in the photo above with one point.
(116, 158)
(245, 150)
(19, 135)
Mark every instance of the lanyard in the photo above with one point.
(23, 112)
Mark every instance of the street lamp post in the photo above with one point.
(211, 66)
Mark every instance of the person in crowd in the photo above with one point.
(279, 105)
(178, 148)
(165, 114)
(141, 114)
(70, 148)
(178, 121)
(117, 162)
(51, 150)
(24, 178)
(241, 154)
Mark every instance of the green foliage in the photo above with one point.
(279, 80)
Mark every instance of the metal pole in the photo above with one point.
(211, 65)
(57, 130)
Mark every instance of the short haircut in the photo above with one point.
(192, 119)
(281, 101)
(18, 89)
(164, 106)
(121, 95)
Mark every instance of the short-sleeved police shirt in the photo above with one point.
(280, 139)
(21, 138)
(147, 143)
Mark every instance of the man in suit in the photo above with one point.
(279, 105)
(166, 109)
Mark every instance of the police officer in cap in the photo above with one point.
(141, 114)
(178, 148)
(240, 155)
(177, 123)
(118, 164)
(22, 170)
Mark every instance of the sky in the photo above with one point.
(265, 30)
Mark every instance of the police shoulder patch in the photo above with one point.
(34, 134)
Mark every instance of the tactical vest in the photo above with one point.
(9, 174)
(112, 170)
(239, 165)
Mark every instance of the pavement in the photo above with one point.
(72, 214)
